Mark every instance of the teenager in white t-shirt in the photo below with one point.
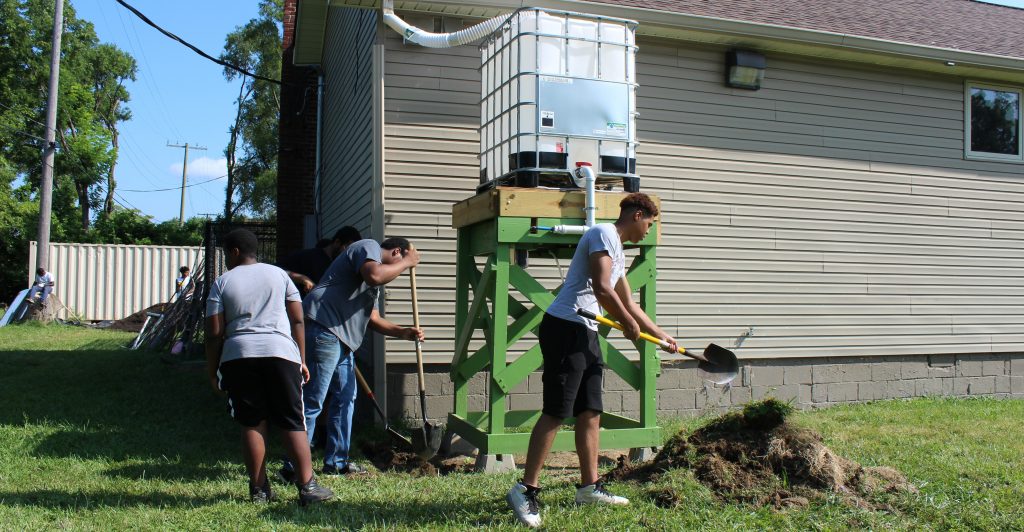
(573, 365)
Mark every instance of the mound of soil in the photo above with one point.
(756, 457)
(133, 323)
(388, 459)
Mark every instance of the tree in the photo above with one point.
(252, 148)
(91, 104)
(110, 68)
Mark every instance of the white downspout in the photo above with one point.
(438, 40)
(319, 129)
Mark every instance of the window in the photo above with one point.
(993, 125)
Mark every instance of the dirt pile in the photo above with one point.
(133, 323)
(390, 460)
(754, 456)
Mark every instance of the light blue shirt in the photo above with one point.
(578, 290)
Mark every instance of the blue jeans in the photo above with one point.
(36, 289)
(331, 371)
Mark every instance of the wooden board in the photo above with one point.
(535, 203)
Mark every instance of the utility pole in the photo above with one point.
(46, 186)
(184, 176)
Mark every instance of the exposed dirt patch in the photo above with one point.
(390, 460)
(133, 323)
(756, 457)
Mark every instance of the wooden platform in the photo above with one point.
(537, 203)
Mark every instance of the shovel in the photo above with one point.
(427, 441)
(400, 441)
(718, 364)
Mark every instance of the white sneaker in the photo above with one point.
(523, 501)
(596, 494)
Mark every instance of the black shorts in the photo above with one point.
(264, 389)
(573, 368)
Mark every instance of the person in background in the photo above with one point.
(255, 351)
(306, 267)
(43, 284)
(183, 284)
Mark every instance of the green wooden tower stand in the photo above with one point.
(492, 227)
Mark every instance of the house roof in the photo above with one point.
(965, 38)
(966, 25)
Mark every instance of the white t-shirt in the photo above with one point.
(578, 290)
(252, 298)
(44, 280)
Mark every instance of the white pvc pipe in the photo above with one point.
(590, 183)
(438, 40)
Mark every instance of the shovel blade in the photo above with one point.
(427, 440)
(721, 367)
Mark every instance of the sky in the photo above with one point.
(179, 98)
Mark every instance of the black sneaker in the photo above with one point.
(286, 475)
(313, 492)
(261, 494)
(350, 468)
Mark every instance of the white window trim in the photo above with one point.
(985, 156)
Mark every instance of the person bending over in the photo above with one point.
(338, 313)
(573, 365)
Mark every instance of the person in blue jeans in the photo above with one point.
(339, 310)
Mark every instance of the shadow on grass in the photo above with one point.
(115, 404)
(353, 515)
(53, 499)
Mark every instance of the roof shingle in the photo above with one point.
(966, 25)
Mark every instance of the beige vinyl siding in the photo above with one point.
(347, 140)
(110, 282)
(832, 210)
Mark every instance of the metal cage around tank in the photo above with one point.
(558, 88)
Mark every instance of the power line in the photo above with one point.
(151, 87)
(194, 48)
(175, 188)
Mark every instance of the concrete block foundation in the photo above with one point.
(808, 382)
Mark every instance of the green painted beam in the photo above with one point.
(517, 443)
(518, 371)
(622, 366)
(479, 297)
(475, 363)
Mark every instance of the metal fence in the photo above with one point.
(109, 282)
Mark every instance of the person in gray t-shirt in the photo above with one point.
(255, 351)
(339, 310)
(573, 364)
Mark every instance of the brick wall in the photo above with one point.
(296, 163)
(809, 383)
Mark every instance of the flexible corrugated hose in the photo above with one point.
(439, 40)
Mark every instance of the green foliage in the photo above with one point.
(252, 149)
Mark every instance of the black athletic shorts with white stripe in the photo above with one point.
(264, 389)
(573, 368)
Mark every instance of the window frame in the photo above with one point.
(988, 156)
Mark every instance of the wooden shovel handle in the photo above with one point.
(416, 324)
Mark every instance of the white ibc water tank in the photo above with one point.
(558, 88)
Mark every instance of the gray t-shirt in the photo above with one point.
(252, 298)
(342, 301)
(578, 291)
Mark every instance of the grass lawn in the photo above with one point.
(93, 436)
